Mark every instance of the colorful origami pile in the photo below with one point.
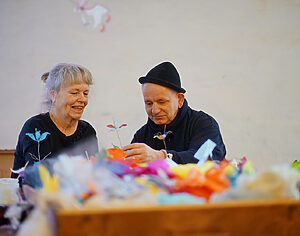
(110, 179)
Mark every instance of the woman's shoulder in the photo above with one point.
(86, 126)
(35, 126)
(38, 122)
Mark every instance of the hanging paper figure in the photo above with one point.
(161, 136)
(38, 137)
(116, 127)
(100, 14)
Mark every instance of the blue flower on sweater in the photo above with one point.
(38, 137)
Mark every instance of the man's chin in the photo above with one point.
(159, 121)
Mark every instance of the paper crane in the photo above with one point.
(116, 127)
(99, 14)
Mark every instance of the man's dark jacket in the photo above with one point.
(189, 130)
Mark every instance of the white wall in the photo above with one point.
(238, 60)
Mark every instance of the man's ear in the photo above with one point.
(180, 97)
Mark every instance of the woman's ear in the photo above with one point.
(52, 95)
(180, 99)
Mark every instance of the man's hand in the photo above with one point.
(143, 152)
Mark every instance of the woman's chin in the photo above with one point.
(76, 116)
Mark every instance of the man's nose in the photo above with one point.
(155, 109)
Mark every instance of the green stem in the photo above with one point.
(119, 139)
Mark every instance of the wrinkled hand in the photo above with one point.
(143, 152)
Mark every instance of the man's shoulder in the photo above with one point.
(141, 134)
(201, 117)
(198, 114)
(142, 129)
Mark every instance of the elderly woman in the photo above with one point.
(59, 130)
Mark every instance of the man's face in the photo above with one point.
(161, 103)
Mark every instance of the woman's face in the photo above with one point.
(70, 101)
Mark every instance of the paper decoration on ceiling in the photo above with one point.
(97, 15)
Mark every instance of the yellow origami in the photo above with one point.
(183, 170)
(50, 183)
(229, 170)
(151, 186)
(248, 168)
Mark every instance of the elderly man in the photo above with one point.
(173, 130)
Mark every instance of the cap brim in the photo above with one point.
(164, 83)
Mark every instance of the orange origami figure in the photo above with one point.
(203, 185)
(116, 153)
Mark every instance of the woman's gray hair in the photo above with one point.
(62, 74)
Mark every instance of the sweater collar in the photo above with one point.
(172, 126)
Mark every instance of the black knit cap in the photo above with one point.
(164, 74)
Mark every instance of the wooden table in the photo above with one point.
(260, 217)
(6, 162)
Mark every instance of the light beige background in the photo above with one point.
(238, 60)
